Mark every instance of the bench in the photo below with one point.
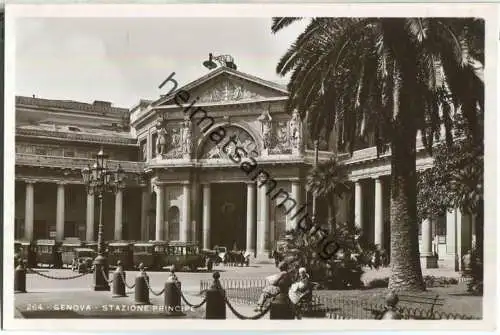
(426, 305)
(411, 306)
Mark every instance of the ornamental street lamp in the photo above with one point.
(222, 60)
(99, 179)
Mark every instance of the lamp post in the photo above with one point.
(99, 179)
(316, 158)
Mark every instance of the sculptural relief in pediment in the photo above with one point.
(235, 137)
(228, 90)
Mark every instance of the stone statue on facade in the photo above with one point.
(265, 119)
(187, 144)
(161, 140)
(296, 130)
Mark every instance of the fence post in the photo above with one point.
(20, 278)
(281, 308)
(172, 296)
(119, 281)
(141, 287)
(216, 305)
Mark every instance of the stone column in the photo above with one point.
(263, 227)
(89, 230)
(60, 212)
(379, 214)
(451, 245)
(427, 258)
(186, 212)
(358, 205)
(118, 215)
(206, 216)
(160, 212)
(145, 204)
(29, 211)
(149, 146)
(296, 195)
(251, 219)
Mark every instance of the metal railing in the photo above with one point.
(248, 291)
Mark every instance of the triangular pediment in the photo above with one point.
(228, 86)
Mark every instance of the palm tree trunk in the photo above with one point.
(331, 213)
(406, 272)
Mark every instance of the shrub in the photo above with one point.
(378, 283)
(335, 260)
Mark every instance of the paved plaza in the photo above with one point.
(74, 298)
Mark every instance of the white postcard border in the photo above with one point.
(487, 11)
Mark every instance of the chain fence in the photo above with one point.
(125, 281)
(247, 291)
(151, 290)
(29, 270)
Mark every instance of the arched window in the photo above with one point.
(173, 223)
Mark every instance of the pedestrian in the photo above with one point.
(277, 283)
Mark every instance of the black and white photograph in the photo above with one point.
(192, 169)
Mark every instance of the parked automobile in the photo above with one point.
(48, 253)
(221, 253)
(144, 252)
(121, 251)
(68, 247)
(83, 260)
(185, 254)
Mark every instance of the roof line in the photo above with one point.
(213, 74)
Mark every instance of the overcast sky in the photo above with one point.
(125, 59)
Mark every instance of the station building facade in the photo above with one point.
(217, 161)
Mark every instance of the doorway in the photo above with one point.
(228, 215)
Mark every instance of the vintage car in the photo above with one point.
(25, 250)
(221, 253)
(120, 251)
(185, 254)
(83, 260)
(68, 247)
(144, 252)
(48, 253)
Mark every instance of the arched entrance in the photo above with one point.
(228, 215)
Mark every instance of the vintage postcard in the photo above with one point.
(201, 165)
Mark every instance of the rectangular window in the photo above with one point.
(69, 153)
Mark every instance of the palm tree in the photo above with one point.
(328, 180)
(390, 77)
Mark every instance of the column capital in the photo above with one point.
(61, 183)
(30, 181)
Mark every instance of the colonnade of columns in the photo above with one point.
(459, 227)
(258, 201)
(29, 212)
